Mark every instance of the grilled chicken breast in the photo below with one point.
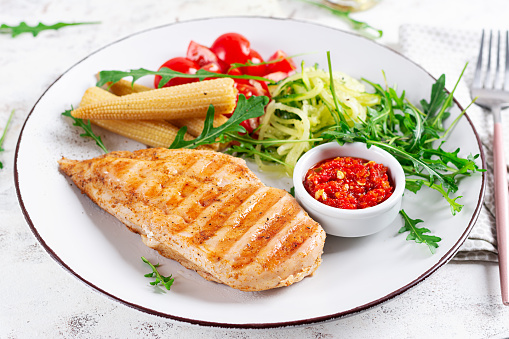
(208, 211)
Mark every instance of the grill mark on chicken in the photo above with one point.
(191, 208)
(184, 187)
(195, 194)
(227, 226)
(223, 211)
(236, 230)
(289, 243)
(263, 235)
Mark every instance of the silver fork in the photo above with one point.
(492, 93)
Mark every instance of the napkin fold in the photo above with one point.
(442, 50)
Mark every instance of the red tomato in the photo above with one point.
(178, 64)
(249, 87)
(259, 70)
(276, 76)
(200, 54)
(246, 89)
(250, 124)
(224, 66)
(285, 65)
(212, 67)
(236, 71)
(253, 88)
(231, 48)
(261, 87)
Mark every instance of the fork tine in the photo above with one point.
(488, 79)
(506, 79)
(497, 67)
(477, 75)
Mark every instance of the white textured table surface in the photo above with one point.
(39, 299)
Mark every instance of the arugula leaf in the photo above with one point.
(250, 63)
(415, 185)
(463, 166)
(249, 150)
(437, 123)
(4, 133)
(418, 163)
(246, 109)
(417, 233)
(166, 74)
(160, 279)
(292, 191)
(361, 27)
(87, 128)
(35, 30)
(438, 96)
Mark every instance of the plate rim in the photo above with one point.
(335, 316)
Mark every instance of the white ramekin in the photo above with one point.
(344, 222)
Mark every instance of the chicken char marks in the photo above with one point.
(208, 211)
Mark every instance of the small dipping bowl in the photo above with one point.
(347, 222)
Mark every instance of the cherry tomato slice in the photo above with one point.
(258, 70)
(261, 87)
(276, 76)
(200, 54)
(231, 48)
(285, 65)
(236, 71)
(212, 67)
(250, 124)
(178, 64)
(252, 88)
(249, 87)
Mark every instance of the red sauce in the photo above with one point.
(348, 183)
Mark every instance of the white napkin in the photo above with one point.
(442, 50)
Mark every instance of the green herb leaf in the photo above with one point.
(249, 150)
(4, 133)
(166, 74)
(35, 30)
(246, 109)
(250, 63)
(417, 233)
(87, 128)
(160, 279)
(413, 185)
(438, 96)
(292, 191)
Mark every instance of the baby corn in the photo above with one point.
(154, 133)
(177, 102)
(194, 125)
(96, 94)
(125, 87)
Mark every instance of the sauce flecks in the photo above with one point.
(348, 183)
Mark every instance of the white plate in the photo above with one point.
(356, 273)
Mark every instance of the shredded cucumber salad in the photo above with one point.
(302, 107)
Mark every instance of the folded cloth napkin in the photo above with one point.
(442, 50)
